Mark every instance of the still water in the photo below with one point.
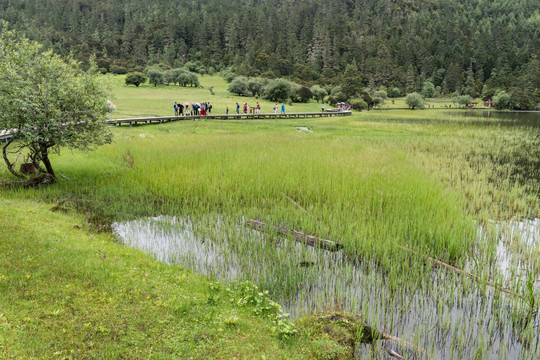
(451, 317)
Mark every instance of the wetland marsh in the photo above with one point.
(462, 190)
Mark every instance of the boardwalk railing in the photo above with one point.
(162, 119)
(6, 134)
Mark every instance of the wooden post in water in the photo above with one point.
(298, 236)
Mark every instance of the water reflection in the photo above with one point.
(450, 317)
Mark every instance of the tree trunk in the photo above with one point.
(6, 159)
(46, 161)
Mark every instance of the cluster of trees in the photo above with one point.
(468, 46)
(156, 76)
(281, 90)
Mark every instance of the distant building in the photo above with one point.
(488, 103)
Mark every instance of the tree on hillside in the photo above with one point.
(464, 100)
(352, 81)
(278, 90)
(135, 78)
(501, 100)
(318, 92)
(239, 86)
(155, 77)
(414, 101)
(428, 89)
(49, 103)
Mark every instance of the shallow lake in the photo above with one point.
(451, 317)
(503, 118)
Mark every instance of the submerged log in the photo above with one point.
(463, 272)
(298, 236)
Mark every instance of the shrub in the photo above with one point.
(464, 100)
(358, 104)
(378, 101)
(256, 86)
(331, 100)
(394, 92)
(278, 90)
(135, 78)
(228, 74)
(239, 86)
(414, 101)
(119, 70)
(501, 100)
(304, 94)
(318, 92)
(155, 77)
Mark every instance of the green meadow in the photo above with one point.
(393, 187)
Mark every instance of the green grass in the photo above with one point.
(147, 100)
(69, 293)
(372, 181)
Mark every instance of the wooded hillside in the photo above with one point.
(458, 45)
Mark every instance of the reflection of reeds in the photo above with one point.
(446, 315)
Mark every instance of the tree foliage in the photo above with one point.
(278, 90)
(456, 45)
(239, 86)
(50, 103)
(155, 77)
(304, 94)
(358, 104)
(428, 89)
(135, 78)
(414, 101)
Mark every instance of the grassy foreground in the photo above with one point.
(70, 294)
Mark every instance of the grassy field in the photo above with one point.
(147, 100)
(376, 182)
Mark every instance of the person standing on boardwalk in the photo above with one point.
(258, 108)
(237, 108)
(245, 108)
(180, 109)
(276, 108)
(175, 109)
(322, 109)
(283, 108)
(209, 108)
(227, 111)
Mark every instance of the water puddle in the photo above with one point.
(450, 318)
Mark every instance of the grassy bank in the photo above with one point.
(72, 294)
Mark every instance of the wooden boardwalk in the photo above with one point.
(6, 134)
(163, 119)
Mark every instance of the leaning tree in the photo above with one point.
(47, 103)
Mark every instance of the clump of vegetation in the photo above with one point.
(414, 101)
(136, 78)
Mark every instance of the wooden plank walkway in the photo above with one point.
(162, 119)
(6, 134)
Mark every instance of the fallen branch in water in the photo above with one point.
(299, 236)
(463, 272)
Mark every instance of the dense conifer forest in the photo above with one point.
(468, 46)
